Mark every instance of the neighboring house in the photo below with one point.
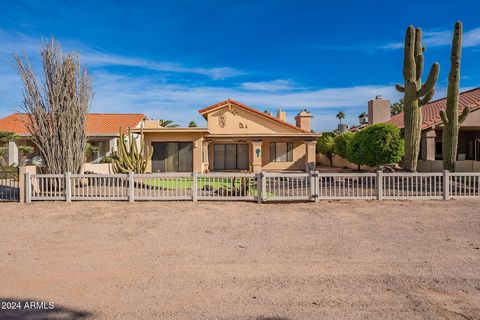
(102, 132)
(237, 138)
(432, 126)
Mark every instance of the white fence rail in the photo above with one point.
(262, 187)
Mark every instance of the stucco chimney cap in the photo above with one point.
(304, 112)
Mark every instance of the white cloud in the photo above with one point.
(274, 85)
(114, 93)
(12, 42)
(442, 38)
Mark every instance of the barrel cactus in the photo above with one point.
(451, 119)
(415, 93)
(131, 157)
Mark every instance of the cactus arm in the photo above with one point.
(418, 55)
(409, 55)
(399, 88)
(464, 115)
(419, 65)
(444, 117)
(428, 97)
(431, 80)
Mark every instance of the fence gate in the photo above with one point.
(9, 189)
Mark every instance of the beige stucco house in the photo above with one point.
(237, 137)
(430, 158)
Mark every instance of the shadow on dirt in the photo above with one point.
(33, 309)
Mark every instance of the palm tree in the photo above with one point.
(340, 116)
(167, 123)
(192, 124)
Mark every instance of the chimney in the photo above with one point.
(303, 120)
(281, 115)
(378, 110)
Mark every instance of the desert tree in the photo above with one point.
(57, 107)
(326, 146)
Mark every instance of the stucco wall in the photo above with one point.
(100, 168)
(240, 121)
(298, 157)
(437, 166)
(338, 162)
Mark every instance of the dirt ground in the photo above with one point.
(180, 260)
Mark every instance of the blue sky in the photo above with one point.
(168, 59)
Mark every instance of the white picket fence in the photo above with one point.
(260, 187)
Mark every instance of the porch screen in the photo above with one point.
(172, 157)
(281, 151)
(230, 156)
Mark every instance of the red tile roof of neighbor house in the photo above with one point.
(97, 123)
(204, 111)
(431, 111)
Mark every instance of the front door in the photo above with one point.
(230, 156)
(172, 157)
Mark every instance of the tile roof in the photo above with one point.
(96, 124)
(204, 111)
(431, 111)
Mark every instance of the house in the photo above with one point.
(468, 153)
(237, 137)
(102, 132)
(432, 126)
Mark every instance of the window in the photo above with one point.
(230, 157)
(281, 151)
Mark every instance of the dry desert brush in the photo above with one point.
(57, 107)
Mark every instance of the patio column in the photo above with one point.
(256, 153)
(12, 152)
(310, 155)
(112, 146)
(428, 144)
(206, 156)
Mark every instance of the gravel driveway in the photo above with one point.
(239, 260)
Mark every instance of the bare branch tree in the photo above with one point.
(57, 109)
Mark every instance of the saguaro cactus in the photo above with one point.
(129, 156)
(450, 118)
(416, 94)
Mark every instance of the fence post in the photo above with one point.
(317, 186)
(131, 187)
(379, 181)
(264, 187)
(68, 187)
(194, 187)
(258, 176)
(28, 188)
(446, 185)
(313, 192)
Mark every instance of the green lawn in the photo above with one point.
(185, 183)
(181, 183)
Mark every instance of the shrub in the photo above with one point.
(326, 145)
(341, 142)
(376, 145)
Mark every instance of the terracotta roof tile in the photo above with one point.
(431, 111)
(97, 123)
(204, 111)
